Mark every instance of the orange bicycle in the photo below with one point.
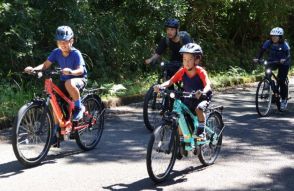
(34, 130)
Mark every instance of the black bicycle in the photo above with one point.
(268, 90)
(155, 104)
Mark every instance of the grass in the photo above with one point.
(13, 95)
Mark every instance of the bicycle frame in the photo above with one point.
(65, 125)
(180, 108)
(271, 77)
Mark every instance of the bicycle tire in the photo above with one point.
(151, 109)
(86, 138)
(161, 132)
(263, 85)
(28, 126)
(214, 122)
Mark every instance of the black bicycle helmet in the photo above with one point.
(172, 23)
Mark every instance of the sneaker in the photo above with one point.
(55, 141)
(284, 104)
(201, 137)
(78, 113)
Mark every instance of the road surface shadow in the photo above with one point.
(175, 177)
(15, 167)
(11, 168)
(281, 180)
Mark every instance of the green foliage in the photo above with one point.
(118, 35)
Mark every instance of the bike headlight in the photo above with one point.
(265, 62)
(162, 64)
(172, 95)
(40, 74)
(268, 71)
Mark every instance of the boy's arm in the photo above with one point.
(207, 88)
(77, 72)
(42, 66)
(163, 85)
(174, 79)
(206, 82)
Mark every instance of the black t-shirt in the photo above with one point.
(174, 48)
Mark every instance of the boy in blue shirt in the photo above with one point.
(72, 64)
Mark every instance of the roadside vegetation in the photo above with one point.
(118, 35)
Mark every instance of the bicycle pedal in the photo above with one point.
(72, 136)
(57, 144)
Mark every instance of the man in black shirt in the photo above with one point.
(173, 41)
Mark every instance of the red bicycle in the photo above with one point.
(34, 128)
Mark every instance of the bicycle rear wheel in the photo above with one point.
(209, 152)
(160, 160)
(151, 109)
(32, 134)
(88, 138)
(263, 99)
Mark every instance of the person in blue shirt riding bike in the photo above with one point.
(173, 41)
(278, 50)
(72, 64)
(195, 79)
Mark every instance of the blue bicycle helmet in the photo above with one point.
(172, 23)
(64, 33)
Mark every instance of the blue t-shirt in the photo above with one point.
(73, 61)
(277, 51)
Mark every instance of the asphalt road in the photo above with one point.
(257, 154)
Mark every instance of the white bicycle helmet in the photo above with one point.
(192, 48)
(277, 31)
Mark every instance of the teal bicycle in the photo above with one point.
(175, 137)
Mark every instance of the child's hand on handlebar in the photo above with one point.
(198, 94)
(67, 71)
(157, 88)
(29, 70)
(283, 61)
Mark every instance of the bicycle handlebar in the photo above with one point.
(266, 62)
(178, 94)
(41, 73)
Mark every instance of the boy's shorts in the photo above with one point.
(194, 104)
(80, 83)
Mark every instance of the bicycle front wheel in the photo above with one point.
(88, 138)
(209, 152)
(151, 109)
(32, 134)
(263, 99)
(161, 153)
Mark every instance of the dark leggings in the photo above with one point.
(282, 76)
